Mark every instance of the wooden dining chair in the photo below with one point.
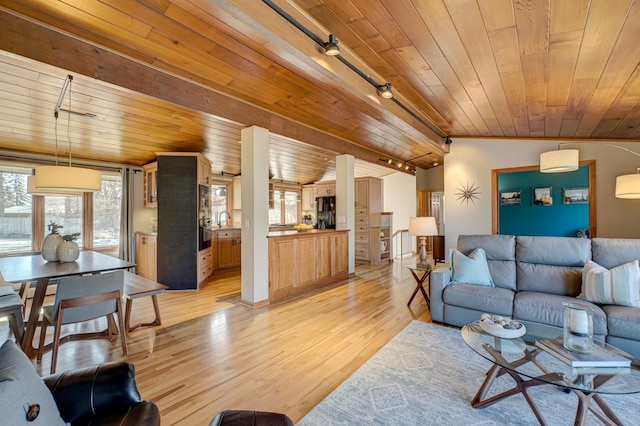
(80, 299)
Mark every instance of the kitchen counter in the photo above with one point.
(300, 261)
(146, 233)
(288, 233)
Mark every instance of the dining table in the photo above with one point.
(33, 268)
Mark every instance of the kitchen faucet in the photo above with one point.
(220, 218)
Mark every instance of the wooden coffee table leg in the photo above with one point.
(600, 409)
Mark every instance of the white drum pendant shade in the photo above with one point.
(67, 178)
(559, 161)
(32, 189)
(628, 186)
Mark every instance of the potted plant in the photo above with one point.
(51, 242)
(68, 250)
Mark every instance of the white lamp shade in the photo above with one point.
(559, 161)
(32, 189)
(628, 186)
(67, 178)
(423, 226)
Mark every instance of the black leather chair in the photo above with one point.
(250, 418)
(104, 395)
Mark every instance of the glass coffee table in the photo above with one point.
(528, 366)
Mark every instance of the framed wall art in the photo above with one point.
(511, 198)
(575, 195)
(542, 196)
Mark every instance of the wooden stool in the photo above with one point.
(11, 307)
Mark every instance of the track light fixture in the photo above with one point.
(331, 47)
(385, 90)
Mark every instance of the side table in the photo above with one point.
(420, 274)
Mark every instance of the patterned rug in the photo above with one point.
(426, 375)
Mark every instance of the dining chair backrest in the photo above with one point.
(88, 285)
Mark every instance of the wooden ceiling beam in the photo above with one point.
(24, 37)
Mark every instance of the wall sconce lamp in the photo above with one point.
(385, 90)
(423, 227)
(331, 47)
(567, 160)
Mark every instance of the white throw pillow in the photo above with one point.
(470, 270)
(618, 286)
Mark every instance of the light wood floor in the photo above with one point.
(214, 353)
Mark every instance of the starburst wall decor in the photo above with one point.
(468, 193)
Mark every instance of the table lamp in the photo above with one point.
(423, 227)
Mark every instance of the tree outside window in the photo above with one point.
(107, 207)
(16, 210)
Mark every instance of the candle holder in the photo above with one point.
(578, 327)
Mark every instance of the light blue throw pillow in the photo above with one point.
(470, 270)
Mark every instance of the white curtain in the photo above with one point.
(127, 240)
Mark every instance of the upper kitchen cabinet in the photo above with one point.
(325, 189)
(309, 198)
(204, 171)
(150, 185)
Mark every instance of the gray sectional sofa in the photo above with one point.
(532, 276)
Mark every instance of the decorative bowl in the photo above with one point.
(498, 330)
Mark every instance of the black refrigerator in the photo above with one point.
(326, 212)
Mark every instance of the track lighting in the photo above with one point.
(385, 90)
(331, 47)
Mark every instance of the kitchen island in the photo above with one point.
(300, 261)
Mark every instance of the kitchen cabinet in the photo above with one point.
(179, 262)
(229, 248)
(204, 171)
(368, 205)
(150, 185)
(291, 271)
(309, 198)
(205, 264)
(146, 255)
(326, 189)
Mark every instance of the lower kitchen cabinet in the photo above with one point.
(229, 248)
(298, 262)
(146, 255)
(205, 264)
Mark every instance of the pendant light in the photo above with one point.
(65, 179)
(567, 160)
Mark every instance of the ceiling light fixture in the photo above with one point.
(64, 180)
(567, 160)
(331, 47)
(385, 90)
(353, 68)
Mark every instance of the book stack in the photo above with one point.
(601, 357)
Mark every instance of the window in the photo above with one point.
(219, 201)
(107, 207)
(16, 210)
(285, 208)
(66, 211)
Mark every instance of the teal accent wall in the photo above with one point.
(558, 219)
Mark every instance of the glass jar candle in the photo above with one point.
(578, 327)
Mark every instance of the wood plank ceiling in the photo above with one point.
(187, 75)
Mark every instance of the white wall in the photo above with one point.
(471, 161)
(399, 190)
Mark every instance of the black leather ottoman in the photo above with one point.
(250, 418)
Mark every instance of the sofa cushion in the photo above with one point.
(22, 391)
(493, 300)
(618, 286)
(501, 256)
(470, 269)
(623, 321)
(560, 280)
(546, 308)
(556, 251)
(611, 252)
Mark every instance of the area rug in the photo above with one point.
(426, 375)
